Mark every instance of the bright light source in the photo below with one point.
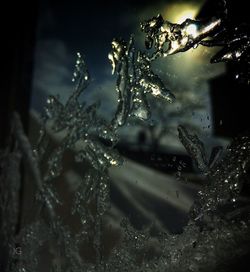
(178, 13)
(192, 30)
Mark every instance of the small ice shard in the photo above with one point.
(194, 147)
(235, 43)
(80, 76)
(234, 50)
(140, 107)
(100, 156)
(215, 155)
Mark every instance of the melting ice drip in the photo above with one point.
(212, 229)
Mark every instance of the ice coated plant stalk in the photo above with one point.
(135, 79)
(189, 34)
(213, 232)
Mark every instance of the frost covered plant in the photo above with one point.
(81, 130)
(135, 79)
(181, 37)
(219, 223)
(169, 39)
(224, 174)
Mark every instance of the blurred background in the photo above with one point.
(158, 181)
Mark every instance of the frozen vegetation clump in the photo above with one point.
(135, 79)
(234, 40)
(218, 229)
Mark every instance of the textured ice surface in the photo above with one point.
(211, 235)
(180, 37)
(135, 79)
(218, 228)
(168, 38)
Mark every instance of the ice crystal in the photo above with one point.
(236, 47)
(224, 176)
(194, 147)
(180, 37)
(82, 130)
(135, 80)
(206, 240)
(168, 38)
